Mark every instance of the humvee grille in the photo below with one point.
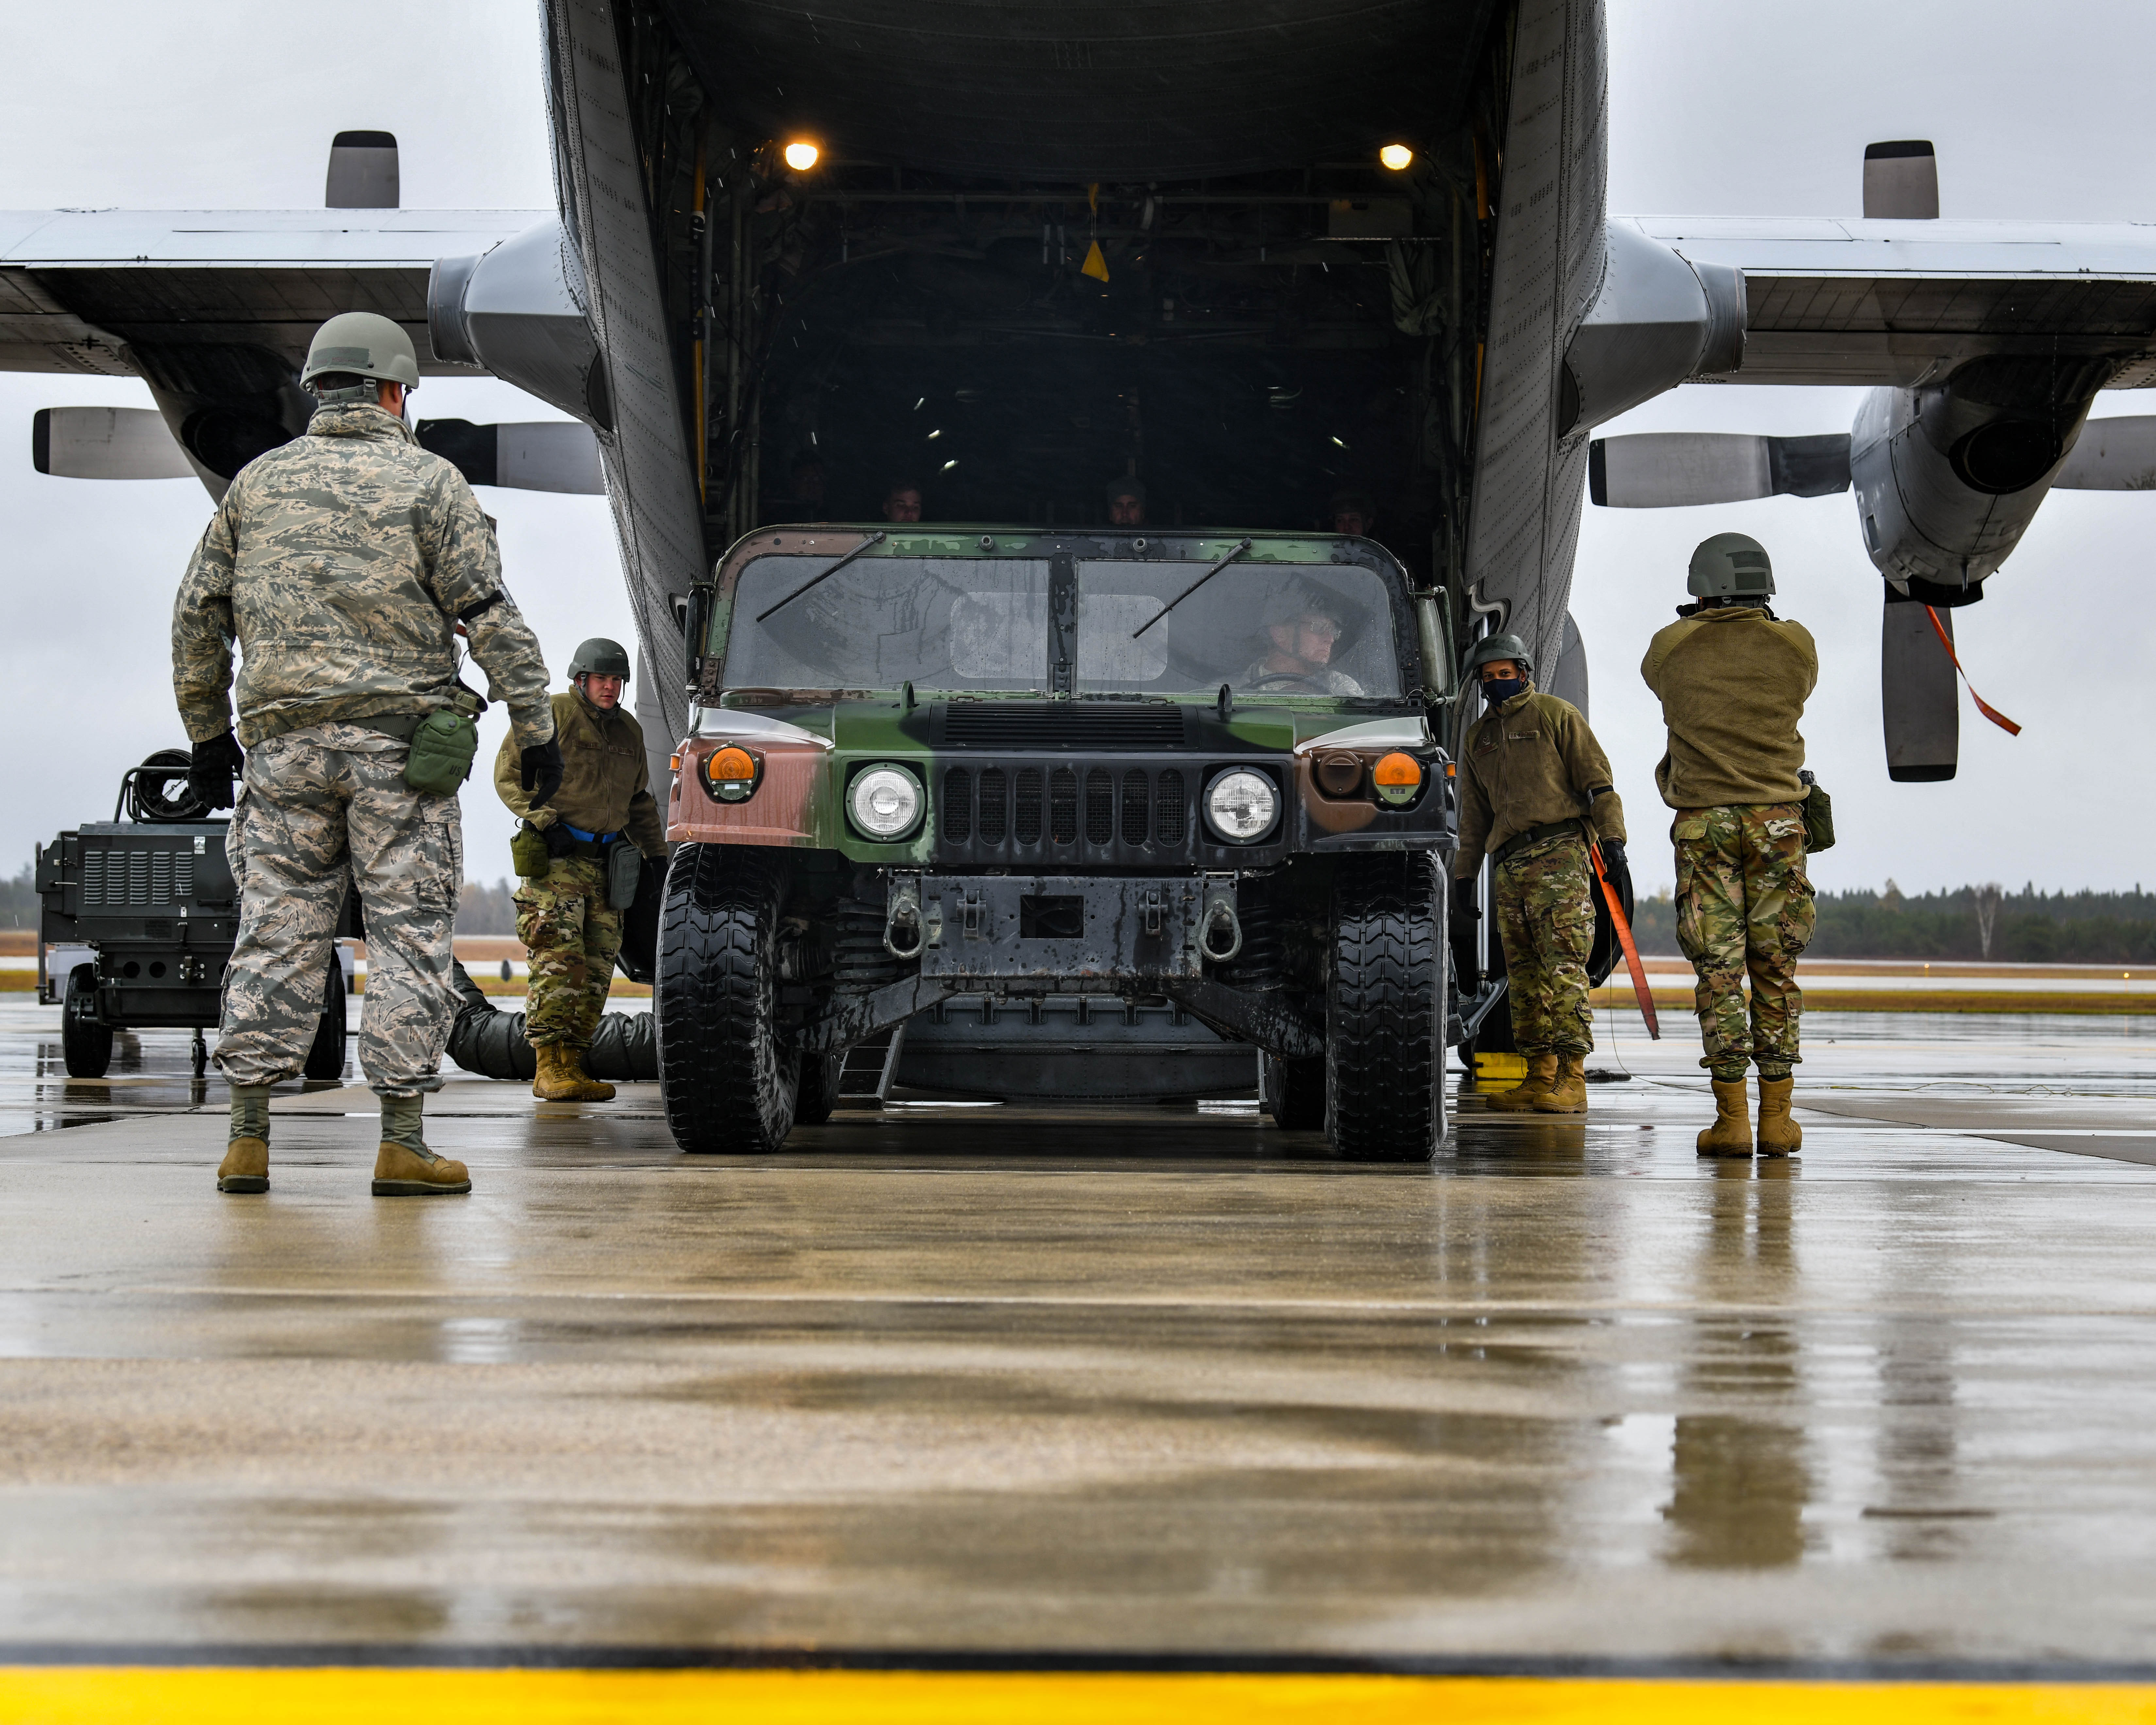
(1059, 725)
(1100, 806)
(957, 805)
(1112, 812)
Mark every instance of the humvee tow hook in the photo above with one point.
(1221, 932)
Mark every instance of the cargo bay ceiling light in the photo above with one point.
(1395, 157)
(801, 154)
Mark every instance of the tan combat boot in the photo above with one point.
(1542, 1072)
(1568, 1091)
(246, 1164)
(562, 1078)
(404, 1167)
(1731, 1134)
(1779, 1134)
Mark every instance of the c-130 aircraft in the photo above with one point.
(1276, 311)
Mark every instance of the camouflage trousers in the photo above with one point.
(1744, 905)
(322, 809)
(1546, 918)
(563, 919)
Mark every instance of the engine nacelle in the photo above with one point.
(1949, 476)
(519, 311)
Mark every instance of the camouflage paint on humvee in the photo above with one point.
(1031, 768)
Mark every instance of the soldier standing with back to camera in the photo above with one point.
(580, 858)
(342, 565)
(1732, 678)
(1532, 781)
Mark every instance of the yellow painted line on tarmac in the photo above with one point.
(136, 1696)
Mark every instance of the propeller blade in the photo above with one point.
(1680, 469)
(538, 455)
(2112, 455)
(1920, 706)
(106, 443)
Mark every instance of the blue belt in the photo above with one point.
(589, 838)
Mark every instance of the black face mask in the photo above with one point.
(1497, 690)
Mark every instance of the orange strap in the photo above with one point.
(1984, 707)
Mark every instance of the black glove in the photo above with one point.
(539, 771)
(1613, 854)
(212, 769)
(559, 840)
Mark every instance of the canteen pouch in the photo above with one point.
(442, 751)
(624, 869)
(1817, 810)
(527, 851)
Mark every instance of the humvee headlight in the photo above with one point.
(1397, 778)
(732, 774)
(885, 802)
(1241, 805)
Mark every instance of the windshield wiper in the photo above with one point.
(873, 539)
(1241, 546)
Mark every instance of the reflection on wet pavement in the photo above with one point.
(1143, 1380)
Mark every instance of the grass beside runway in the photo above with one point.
(2023, 1002)
(137, 1696)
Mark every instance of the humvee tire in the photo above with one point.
(1382, 1023)
(326, 1059)
(818, 1093)
(728, 1076)
(1295, 1094)
(85, 1044)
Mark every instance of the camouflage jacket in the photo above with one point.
(605, 782)
(1530, 763)
(340, 565)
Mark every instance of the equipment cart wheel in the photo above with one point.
(729, 1075)
(85, 1044)
(818, 1093)
(1384, 1021)
(326, 1059)
(1295, 1094)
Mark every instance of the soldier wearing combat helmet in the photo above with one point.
(344, 565)
(580, 856)
(1532, 782)
(1733, 678)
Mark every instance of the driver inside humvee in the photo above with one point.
(1302, 622)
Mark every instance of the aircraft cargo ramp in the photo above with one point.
(1001, 1387)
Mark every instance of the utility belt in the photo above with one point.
(614, 852)
(1535, 835)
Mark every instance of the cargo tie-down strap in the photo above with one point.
(1984, 707)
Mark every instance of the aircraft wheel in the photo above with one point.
(326, 1059)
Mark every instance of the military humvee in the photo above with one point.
(1048, 813)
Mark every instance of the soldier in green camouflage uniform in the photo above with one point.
(1733, 679)
(1532, 781)
(563, 915)
(342, 565)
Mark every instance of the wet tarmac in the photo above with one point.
(1130, 1381)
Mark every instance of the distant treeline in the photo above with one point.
(2029, 926)
(19, 899)
(486, 909)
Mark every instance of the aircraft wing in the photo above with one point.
(1851, 301)
(126, 292)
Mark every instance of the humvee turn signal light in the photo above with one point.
(1397, 778)
(801, 156)
(1396, 157)
(732, 774)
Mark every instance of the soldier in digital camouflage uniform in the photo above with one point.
(1733, 679)
(1532, 780)
(342, 565)
(563, 914)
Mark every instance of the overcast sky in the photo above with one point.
(1714, 110)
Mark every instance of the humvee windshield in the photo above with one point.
(967, 624)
